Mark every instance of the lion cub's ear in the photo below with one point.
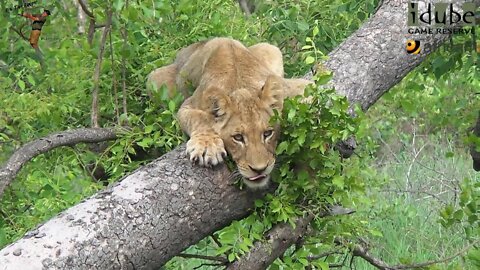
(273, 92)
(217, 102)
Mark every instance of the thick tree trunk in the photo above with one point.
(168, 205)
(142, 222)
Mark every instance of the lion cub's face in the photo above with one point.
(242, 119)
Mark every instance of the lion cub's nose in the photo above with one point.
(258, 170)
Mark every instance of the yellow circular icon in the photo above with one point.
(413, 46)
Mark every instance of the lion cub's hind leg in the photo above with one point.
(162, 76)
(270, 55)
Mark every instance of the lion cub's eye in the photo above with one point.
(267, 133)
(238, 137)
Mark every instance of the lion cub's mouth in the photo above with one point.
(258, 181)
(257, 178)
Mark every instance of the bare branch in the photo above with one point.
(114, 81)
(124, 33)
(96, 75)
(32, 149)
(19, 32)
(362, 252)
(461, 252)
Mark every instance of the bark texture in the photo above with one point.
(142, 222)
(167, 205)
(32, 149)
(278, 240)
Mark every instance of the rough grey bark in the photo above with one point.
(32, 149)
(142, 222)
(166, 206)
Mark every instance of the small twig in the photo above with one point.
(435, 196)
(203, 257)
(322, 255)
(82, 164)
(387, 145)
(215, 239)
(19, 33)
(208, 264)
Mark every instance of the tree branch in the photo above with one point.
(279, 239)
(32, 149)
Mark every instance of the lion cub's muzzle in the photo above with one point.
(257, 177)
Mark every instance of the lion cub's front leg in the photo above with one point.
(204, 146)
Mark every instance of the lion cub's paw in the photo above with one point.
(206, 148)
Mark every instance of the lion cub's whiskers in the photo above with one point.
(234, 176)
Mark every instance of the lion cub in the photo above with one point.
(236, 91)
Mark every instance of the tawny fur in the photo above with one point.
(236, 90)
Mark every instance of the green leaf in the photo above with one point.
(449, 154)
(282, 147)
(231, 257)
(258, 203)
(148, 129)
(21, 84)
(338, 181)
(309, 60)
(223, 249)
(315, 31)
(31, 80)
